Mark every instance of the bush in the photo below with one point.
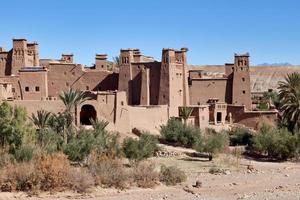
(172, 175)
(54, 170)
(144, 175)
(145, 147)
(276, 143)
(24, 153)
(212, 144)
(80, 180)
(108, 172)
(20, 177)
(80, 146)
(240, 136)
(215, 170)
(180, 134)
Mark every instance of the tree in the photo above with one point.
(117, 60)
(71, 99)
(14, 128)
(185, 113)
(41, 121)
(289, 96)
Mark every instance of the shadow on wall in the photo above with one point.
(109, 83)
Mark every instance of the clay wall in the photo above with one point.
(201, 90)
(148, 117)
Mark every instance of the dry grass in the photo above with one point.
(80, 180)
(172, 175)
(144, 175)
(109, 172)
(54, 169)
(20, 177)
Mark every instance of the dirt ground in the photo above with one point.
(268, 180)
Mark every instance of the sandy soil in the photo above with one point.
(269, 180)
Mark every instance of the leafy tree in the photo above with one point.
(289, 95)
(14, 128)
(276, 143)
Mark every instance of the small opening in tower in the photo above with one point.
(243, 79)
(37, 88)
(244, 92)
(27, 89)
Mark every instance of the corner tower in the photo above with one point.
(241, 92)
(173, 80)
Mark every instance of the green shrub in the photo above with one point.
(263, 106)
(275, 143)
(212, 144)
(180, 134)
(240, 136)
(172, 175)
(24, 153)
(144, 147)
(80, 146)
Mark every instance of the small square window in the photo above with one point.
(243, 79)
(13, 89)
(27, 89)
(37, 88)
(244, 92)
(102, 66)
(87, 88)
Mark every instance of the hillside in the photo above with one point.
(262, 77)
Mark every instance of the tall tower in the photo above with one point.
(173, 80)
(125, 73)
(241, 92)
(19, 55)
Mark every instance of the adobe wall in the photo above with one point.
(63, 76)
(33, 84)
(5, 63)
(250, 118)
(201, 90)
(32, 106)
(148, 117)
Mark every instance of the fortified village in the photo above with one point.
(140, 93)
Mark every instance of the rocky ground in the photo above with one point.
(263, 180)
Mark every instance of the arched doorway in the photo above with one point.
(87, 112)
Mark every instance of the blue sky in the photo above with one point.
(213, 30)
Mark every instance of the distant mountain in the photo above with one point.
(275, 64)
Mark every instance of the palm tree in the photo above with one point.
(117, 61)
(41, 121)
(185, 113)
(71, 99)
(289, 96)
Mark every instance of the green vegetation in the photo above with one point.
(289, 96)
(177, 133)
(144, 147)
(276, 143)
(240, 136)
